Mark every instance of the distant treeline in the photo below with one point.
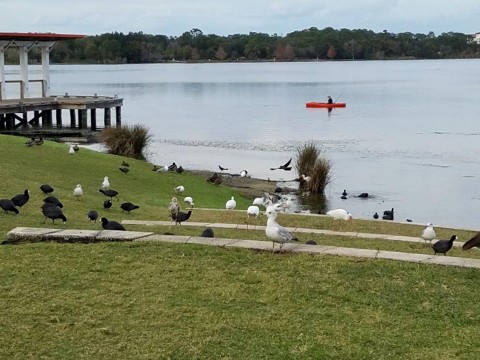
(309, 44)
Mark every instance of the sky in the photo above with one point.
(228, 17)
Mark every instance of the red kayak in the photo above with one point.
(314, 104)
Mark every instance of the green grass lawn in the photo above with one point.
(183, 301)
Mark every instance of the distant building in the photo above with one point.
(476, 38)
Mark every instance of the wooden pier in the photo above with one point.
(46, 114)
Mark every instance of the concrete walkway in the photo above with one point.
(25, 234)
(295, 230)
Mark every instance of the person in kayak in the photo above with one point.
(330, 100)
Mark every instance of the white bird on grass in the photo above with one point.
(259, 201)
(428, 233)
(252, 212)
(72, 150)
(231, 204)
(189, 201)
(339, 214)
(179, 189)
(105, 183)
(78, 191)
(276, 232)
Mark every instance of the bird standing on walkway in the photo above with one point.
(442, 246)
(111, 225)
(428, 233)
(276, 232)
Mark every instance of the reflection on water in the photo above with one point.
(399, 138)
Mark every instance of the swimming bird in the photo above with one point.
(231, 204)
(179, 189)
(107, 204)
(375, 216)
(78, 191)
(344, 192)
(285, 166)
(53, 212)
(71, 151)
(276, 232)
(208, 232)
(442, 246)
(111, 225)
(30, 142)
(128, 206)
(363, 195)
(39, 141)
(344, 197)
(189, 201)
(8, 205)
(110, 193)
(474, 241)
(181, 217)
(172, 167)
(92, 215)
(53, 200)
(388, 215)
(124, 169)
(222, 168)
(124, 163)
(106, 183)
(428, 233)
(252, 212)
(174, 207)
(21, 199)
(46, 189)
(340, 214)
(243, 173)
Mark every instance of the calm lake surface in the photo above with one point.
(410, 134)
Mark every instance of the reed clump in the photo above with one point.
(127, 140)
(313, 169)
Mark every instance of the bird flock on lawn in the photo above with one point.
(53, 209)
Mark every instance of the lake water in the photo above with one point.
(409, 134)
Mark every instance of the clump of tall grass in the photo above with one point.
(313, 169)
(126, 140)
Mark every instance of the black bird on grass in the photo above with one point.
(180, 169)
(285, 166)
(474, 241)
(21, 199)
(172, 167)
(124, 163)
(124, 169)
(181, 217)
(442, 246)
(53, 200)
(53, 212)
(128, 206)
(107, 204)
(208, 232)
(8, 205)
(110, 193)
(111, 225)
(388, 215)
(46, 189)
(92, 215)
